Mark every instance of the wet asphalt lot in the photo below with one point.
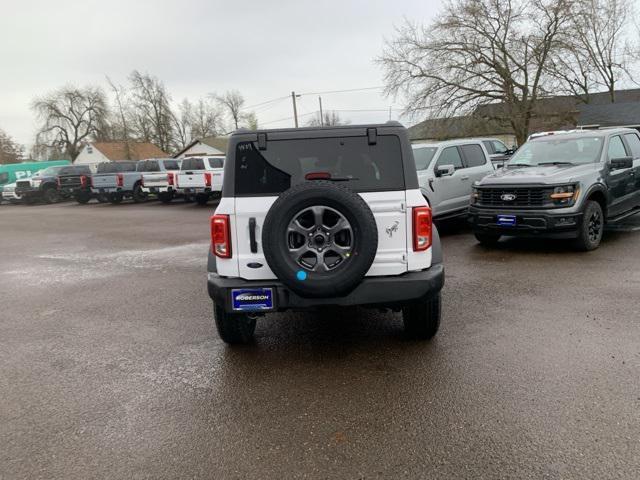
(110, 366)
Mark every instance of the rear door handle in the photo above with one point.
(253, 244)
(464, 178)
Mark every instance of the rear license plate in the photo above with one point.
(252, 299)
(506, 220)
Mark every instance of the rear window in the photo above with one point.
(192, 164)
(148, 166)
(171, 165)
(74, 171)
(634, 143)
(216, 162)
(474, 155)
(284, 163)
(116, 167)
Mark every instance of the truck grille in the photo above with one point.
(514, 197)
(23, 184)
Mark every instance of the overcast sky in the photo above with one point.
(264, 49)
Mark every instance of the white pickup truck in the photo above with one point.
(159, 177)
(200, 177)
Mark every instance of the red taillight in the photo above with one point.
(119, 180)
(170, 178)
(318, 176)
(207, 179)
(421, 228)
(83, 181)
(220, 236)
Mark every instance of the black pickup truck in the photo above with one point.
(43, 185)
(564, 185)
(75, 182)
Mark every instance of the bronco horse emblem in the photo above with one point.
(394, 228)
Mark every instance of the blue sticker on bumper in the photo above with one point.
(506, 220)
(252, 299)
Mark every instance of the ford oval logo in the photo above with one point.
(508, 197)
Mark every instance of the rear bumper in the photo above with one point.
(547, 223)
(195, 190)
(392, 291)
(105, 190)
(159, 189)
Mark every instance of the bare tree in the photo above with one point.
(10, 150)
(477, 52)
(231, 101)
(196, 120)
(150, 114)
(573, 70)
(600, 29)
(250, 120)
(69, 117)
(330, 118)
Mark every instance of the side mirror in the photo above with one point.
(620, 163)
(445, 170)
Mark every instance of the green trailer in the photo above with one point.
(12, 172)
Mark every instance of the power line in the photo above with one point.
(266, 102)
(288, 118)
(343, 91)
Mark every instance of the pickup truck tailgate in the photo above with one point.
(155, 179)
(105, 180)
(191, 180)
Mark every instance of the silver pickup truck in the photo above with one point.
(118, 180)
(159, 177)
(201, 177)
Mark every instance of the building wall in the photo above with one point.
(200, 149)
(90, 156)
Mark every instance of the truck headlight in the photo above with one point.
(565, 194)
(36, 183)
(475, 195)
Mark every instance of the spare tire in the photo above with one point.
(320, 239)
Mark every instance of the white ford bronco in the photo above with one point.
(323, 217)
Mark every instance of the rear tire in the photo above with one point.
(165, 197)
(422, 320)
(592, 228)
(82, 197)
(138, 195)
(487, 239)
(115, 198)
(202, 199)
(234, 328)
(51, 195)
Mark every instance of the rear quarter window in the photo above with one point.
(216, 162)
(362, 167)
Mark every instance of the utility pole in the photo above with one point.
(321, 117)
(390, 111)
(295, 109)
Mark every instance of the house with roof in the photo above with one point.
(202, 147)
(97, 152)
(551, 113)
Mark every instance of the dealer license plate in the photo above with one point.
(506, 220)
(252, 299)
